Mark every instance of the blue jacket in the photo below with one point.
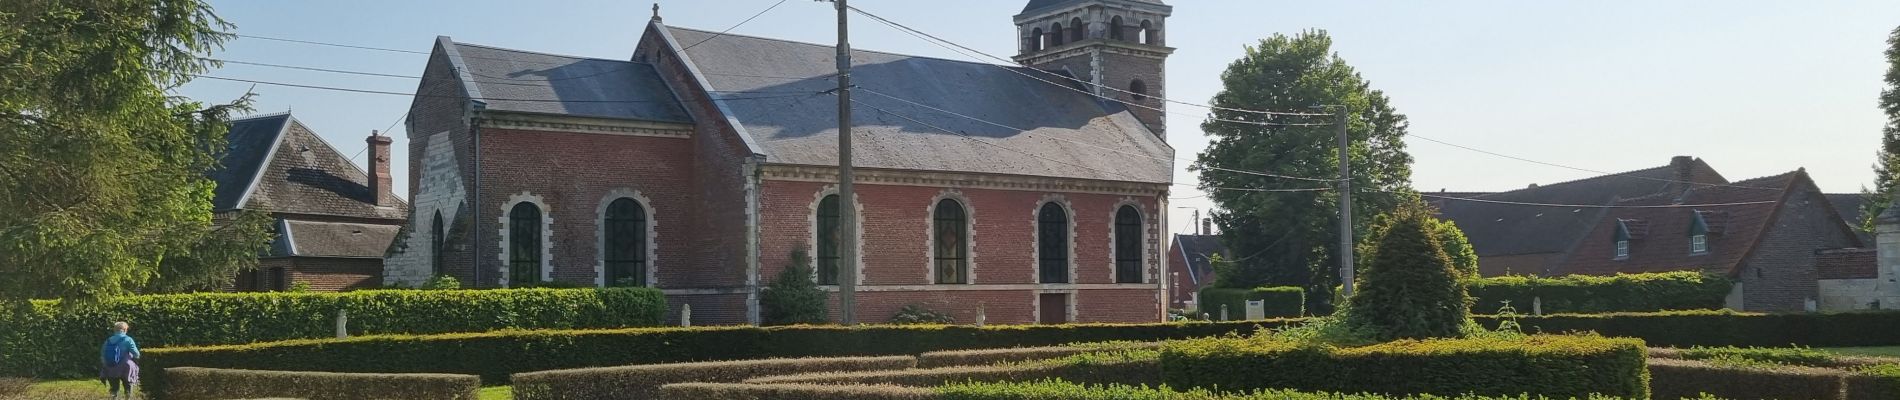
(117, 348)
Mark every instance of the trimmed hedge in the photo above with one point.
(1543, 365)
(1672, 379)
(1280, 301)
(1880, 382)
(1135, 368)
(496, 355)
(53, 341)
(218, 384)
(644, 381)
(958, 358)
(1041, 390)
(1726, 328)
(733, 391)
(1684, 290)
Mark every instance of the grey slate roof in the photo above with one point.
(298, 238)
(523, 81)
(1034, 128)
(1041, 4)
(1197, 249)
(1505, 229)
(247, 144)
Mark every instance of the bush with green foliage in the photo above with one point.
(1670, 379)
(644, 381)
(52, 340)
(1039, 390)
(1681, 290)
(794, 298)
(1726, 328)
(1874, 382)
(496, 355)
(1409, 290)
(1280, 301)
(1126, 366)
(736, 391)
(218, 384)
(913, 314)
(1530, 365)
(1452, 240)
(954, 358)
(442, 282)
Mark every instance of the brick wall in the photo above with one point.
(441, 172)
(1780, 274)
(337, 274)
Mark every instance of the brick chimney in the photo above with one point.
(1684, 166)
(380, 193)
(1207, 226)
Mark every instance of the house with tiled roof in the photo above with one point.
(1191, 267)
(334, 221)
(703, 162)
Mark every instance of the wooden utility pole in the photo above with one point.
(847, 214)
(1345, 201)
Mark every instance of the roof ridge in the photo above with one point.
(1767, 178)
(260, 116)
(853, 49)
(540, 52)
(1573, 181)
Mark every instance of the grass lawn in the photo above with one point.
(497, 393)
(1884, 351)
(90, 387)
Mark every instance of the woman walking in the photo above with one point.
(115, 359)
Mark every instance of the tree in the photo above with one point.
(1291, 237)
(794, 298)
(103, 187)
(1887, 166)
(1410, 289)
(1452, 240)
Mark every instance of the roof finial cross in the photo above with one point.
(656, 11)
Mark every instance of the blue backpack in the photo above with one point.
(114, 351)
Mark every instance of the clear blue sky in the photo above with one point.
(1754, 87)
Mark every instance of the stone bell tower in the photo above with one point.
(1120, 44)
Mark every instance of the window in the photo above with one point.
(1077, 30)
(1052, 243)
(952, 236)
(1055, 35)
(1034, 40)
(1115, 28)
(626, 243)
(1147, 34)
(435, 245)
(524, 243)
(1128, 245)
(1699, 244)
(1622, 249)
(1139, 90)
(1699, 230)
(828, 240)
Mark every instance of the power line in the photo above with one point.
(903, 27)
(330, 44)
(353, 90)
(734, 26)
(1519, 203)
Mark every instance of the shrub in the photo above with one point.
(496, 355)
(1553, 366)
(953, 358)
(644, 381)
(1802, 356)
(794, 298)
(51, 340)
(1682, 290)
(1119, 370)
(729, 391)
(1670, 379)
(915, 314)
(1727, 328)
(442, 282)
(1057, 390)
(1409, 289)
(1874, 382)
(216, 384)
(1280, 301)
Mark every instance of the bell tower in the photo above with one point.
(1121, 44)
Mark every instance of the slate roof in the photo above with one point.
(1666, 246)
(1507, 229)
(298, 238)
(524, 81)
(1848, 204)
(1041, 4)
(1848, 264)
(1033, 128)
(275, 163)
(1195, 250)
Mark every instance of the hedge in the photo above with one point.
(1141, 368)
(733, 391)
(496, 355)
(1542, 365)
(218, 384)
(1726, 328)
(51, 340)
(644, 381)
(1041, 390)
(1684, 290)
(1280, 301)
(1880, 382)
(1672, 379)
(957, 358)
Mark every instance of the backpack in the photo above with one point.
(114, 351)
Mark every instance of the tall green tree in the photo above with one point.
(1887, 167)
(103, 187)
(1409, 290)
(1291, 238)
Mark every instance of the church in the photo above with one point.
(703, 164)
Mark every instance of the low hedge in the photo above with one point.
(1672, 379)
(1726, 328)
(644, 381)
(957, 358)
(218, 384)
(1685, 290)
(1139, 371)
(496, 355)
(1040, 390)
(1280, 301)
(1542, 365)
(1877, 382)
(52, 340)
(734, 391)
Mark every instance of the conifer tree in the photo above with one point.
(1410, 290)
(1887, 166)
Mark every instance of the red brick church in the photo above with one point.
(700, 163)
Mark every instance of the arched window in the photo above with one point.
(1052, 243)
(952, 238)
(1055, 35)
(524, 243)
(626, 243)
(1147, 34)
(1115, 28)
(1139, 90)
(1128, 245)
(828, 240)
(1034, 41)
(1077, 30)
(435, 245)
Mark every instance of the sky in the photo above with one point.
(1755, 88)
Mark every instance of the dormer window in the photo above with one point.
(1704, 223)
(1699, 244)
(1626, 231)
(1623, 249)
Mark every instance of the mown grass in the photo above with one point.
(92, 389)
(1881, 351)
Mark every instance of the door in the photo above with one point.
(1055, 308)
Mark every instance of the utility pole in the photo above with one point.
(1345, 201)
(847, 196)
